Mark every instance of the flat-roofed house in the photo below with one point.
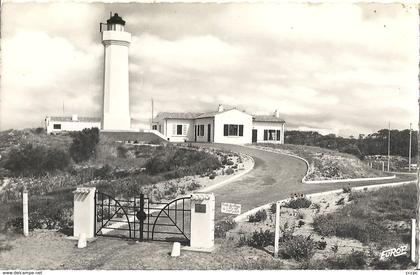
(226, 125)
(56, 124)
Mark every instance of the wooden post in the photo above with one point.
(389, 143)
(277, 231)
(25, 212)
(413, 240)
(383, 166)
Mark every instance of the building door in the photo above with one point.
(208, 132)
(254, 135)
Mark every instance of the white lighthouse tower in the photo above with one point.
(116, 104)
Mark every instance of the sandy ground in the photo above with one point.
(51, 250)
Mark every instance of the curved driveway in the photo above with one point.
(273, 178)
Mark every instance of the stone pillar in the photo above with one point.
(202, 222)
(84, 212)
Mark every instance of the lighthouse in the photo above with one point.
(116, 96)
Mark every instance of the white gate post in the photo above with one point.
(84, 212)
(202, 222)
(277, 230)
(25, 212)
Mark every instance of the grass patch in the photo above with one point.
(372, 217)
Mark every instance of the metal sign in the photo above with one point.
(231, 208)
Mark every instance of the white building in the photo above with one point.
(222, 126)
(55, 124)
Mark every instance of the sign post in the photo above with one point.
(277, 231)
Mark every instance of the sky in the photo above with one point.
(334, 68)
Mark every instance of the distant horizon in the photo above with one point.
(344, 78)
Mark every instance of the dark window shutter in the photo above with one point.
(265, 134)
(278, 134)
(241, 130)
(225, 130)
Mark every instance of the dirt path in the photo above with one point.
(274, 177)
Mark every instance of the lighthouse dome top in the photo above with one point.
(115, 19)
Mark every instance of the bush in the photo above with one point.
(298, 248)
(122, 151)
(103, 173)
(321, 245)
(273, 208)
(55, 213)
(180, 162)
(84, 144)
(296, 203)
(261, 239)
(222, 227)
(36, 160)
(229, 171)
(261, 215)
(212, 176)
(347, 189)
(229, 162)
(355, 260)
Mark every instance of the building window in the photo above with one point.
(160, 128)
(179, 130)
(233, 130)
(154, 127)
(201, 130)
(271, 134)
(57, 126)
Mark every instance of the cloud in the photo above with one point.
(341, 68)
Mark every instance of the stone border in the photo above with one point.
(242, 217)
(322, 181)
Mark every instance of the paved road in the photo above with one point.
(274, 177)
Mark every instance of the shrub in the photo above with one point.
(229, 171)
(321, 245)
(298, 248)
(261, 239)
(103, 173)
(35, 160)
(340, 201)
(261, 215)
(301, 223)
(229, 162)
(296, 203)
(355, 260)
(273, 208)
(193, 186)
(84, 144)
(347, 189)
(122, 151)
(45, 214)
(212, 176)
(39, 130)
(223, 226)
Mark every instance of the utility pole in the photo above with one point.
(151, 124)
(409, 152)
(389, 142)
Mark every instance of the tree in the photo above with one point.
(84, 144)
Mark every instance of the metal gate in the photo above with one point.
(143, 220)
